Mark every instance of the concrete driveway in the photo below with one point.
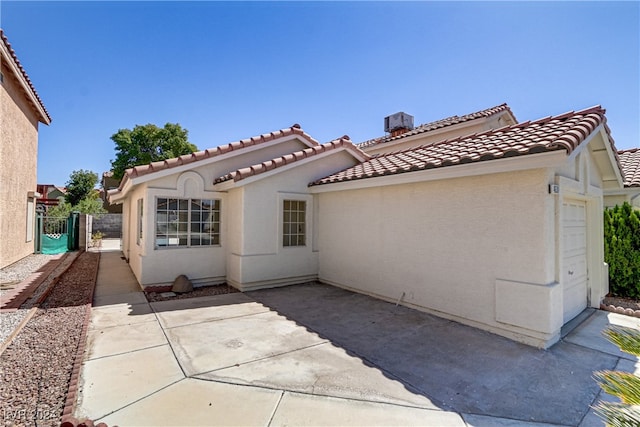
(318, 355)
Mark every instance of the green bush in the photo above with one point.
(622, 250)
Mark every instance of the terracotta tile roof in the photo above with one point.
(12, 52)
(630, 163)
(427, 127)
(213, 152)
(563, 132)
(287, 159)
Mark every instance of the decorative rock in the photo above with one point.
(182, 284)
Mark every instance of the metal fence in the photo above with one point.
(57, 234)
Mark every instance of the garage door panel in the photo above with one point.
(574, 258)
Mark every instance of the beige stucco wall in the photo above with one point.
(203, 265)
(629, 195)
(130, 248)
(18, 157)
(160, 266)
(259, 258)
(461, 248)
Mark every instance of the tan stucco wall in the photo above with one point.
(18, 170)
(132, 251)
(259, 259)
(203, 265)
(160, 266)
(250, 254)
(450, 247)
(630, 196)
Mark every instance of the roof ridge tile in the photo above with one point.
(561, 132)
(437, 124)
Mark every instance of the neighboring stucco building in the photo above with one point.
(50, 196)
(21, 112)
(630, 193)
(500, 229)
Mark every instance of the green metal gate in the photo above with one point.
(56, 235)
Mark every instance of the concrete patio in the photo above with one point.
(318, 355)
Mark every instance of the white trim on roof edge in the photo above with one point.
(131, 182)
(531, 161)
(227, 185)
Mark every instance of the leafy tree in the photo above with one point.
(80, 185)
(148, 143)
(62, 210)
(622, 250)
(91, 205)
(81, 196)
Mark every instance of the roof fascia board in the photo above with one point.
(509, 112)
(630, 191)
(612, 156)
(25, 85)
(115, 197)
(533, 161)
(572, 156)
(600, 130)
(230, 184)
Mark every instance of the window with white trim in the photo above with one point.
(140, 213)
(294, 223)
(30, 217)
(187, 222)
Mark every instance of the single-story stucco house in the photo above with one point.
(492, 223)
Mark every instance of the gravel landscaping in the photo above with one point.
(36, 367)
(9, 321)
(18, 271)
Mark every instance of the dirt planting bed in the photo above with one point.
(204, 291)
(37, 367)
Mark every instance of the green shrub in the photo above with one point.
(622, 250)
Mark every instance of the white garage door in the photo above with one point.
(574, 254)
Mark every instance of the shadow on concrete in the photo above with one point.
(455, 366)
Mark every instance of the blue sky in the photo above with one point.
(228, 71)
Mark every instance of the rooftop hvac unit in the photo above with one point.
(398, 121)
